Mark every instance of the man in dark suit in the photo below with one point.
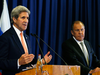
(77, 51)
(14, 56)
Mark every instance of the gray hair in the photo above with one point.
(17, 10)
(77, 22)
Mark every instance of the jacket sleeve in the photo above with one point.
(5, 62)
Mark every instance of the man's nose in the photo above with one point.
(26, 20)
(80, 31)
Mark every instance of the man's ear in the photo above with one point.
(14, 19)
(72, 32)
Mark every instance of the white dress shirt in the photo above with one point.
(18, 33)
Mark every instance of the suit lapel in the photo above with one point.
(17, 41)
(27, 42)
(79, 51)
(89, 52)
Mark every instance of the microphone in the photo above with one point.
(39, 48)
(49, 47)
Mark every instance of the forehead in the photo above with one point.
(24, 14)
(78, 26)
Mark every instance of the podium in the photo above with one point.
(97, 73)
(55, 70)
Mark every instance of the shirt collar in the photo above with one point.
(17, 30)
(77, 40)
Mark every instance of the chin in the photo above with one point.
(24, 29)
(80, 39)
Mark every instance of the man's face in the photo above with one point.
(78, 31)
(22, 21)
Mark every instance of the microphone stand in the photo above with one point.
(40, 50)
(49, 47)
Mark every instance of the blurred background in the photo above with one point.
(51, 20)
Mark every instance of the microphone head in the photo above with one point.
(34, 35)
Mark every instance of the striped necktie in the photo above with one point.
(85, 53)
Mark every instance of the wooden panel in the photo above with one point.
(62, 70)
(55, 70)
(97, 73)
(48, 68)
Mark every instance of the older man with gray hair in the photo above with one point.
(15, 50)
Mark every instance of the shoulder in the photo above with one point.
(87, 43)
(7, 34)
(69, 41)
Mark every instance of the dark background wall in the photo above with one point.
(51, 20)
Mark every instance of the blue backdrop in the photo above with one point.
(51, 20)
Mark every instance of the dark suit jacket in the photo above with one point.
(73, 55)
(10, 51)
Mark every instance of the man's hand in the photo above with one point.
(47, 58)
(25, 59)
(95, 70)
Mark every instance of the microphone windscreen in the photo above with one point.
(33, 34)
